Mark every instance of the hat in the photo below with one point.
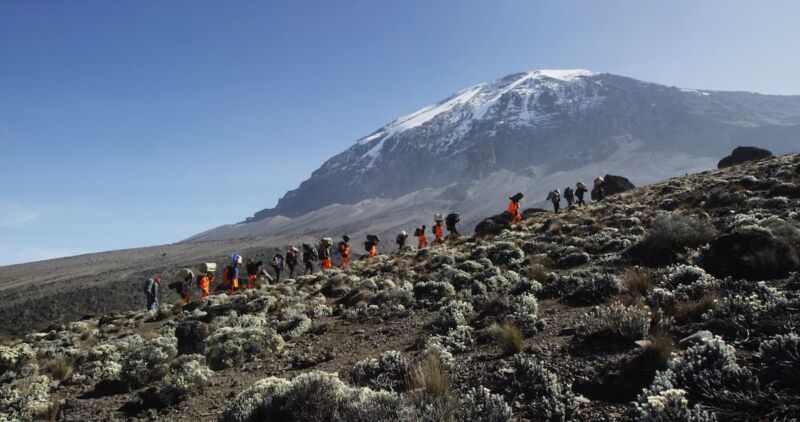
(157, 280)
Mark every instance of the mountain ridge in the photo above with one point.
(549, 120)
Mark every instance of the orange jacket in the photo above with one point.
(204, 283)
(437, 230)
(513, 207)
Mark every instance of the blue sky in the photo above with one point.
(134, 123)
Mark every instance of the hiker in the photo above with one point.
(422, 241)
(230, 275)
(324, 253)
(252, 268)
(598, 191)
(204, 282)
(184, 284)
(371, 245)
(309, 256)
(580, 189)
(151, 292)
(401, 240)
(344, 251)
(291, 260)
(569, 195)
(513, 207)
(277, 265)
(438, 232)
(555, 197)
(450, 222)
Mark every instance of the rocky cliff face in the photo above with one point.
(529, 132)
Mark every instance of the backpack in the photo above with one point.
(277, 261)
(438, 217)
(326, 242)
(568, 193)
(307, 248)
(148, 285)
(367, 245)
(373, 238)
(401, 238)
(417, 232)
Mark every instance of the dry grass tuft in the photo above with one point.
(53, 409)
(693, 310)
(538, 268)
(59, 368)
(430, 377)
(637, 283)
(556, 228)
(177, 307)
(509, 337)
(539, 273)
(659, 350)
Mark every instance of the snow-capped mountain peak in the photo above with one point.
(538, 123)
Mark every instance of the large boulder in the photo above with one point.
(616, 184)
(750, 253)
(742, 155)
(494, 225)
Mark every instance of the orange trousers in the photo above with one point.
(325, 263)
(232, 286)
(423, 242)
(345, 261)
(251, 281)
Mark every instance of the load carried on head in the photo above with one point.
(208, 267)
(185, 273)
(401, 239)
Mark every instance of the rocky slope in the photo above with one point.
(536, 130)
(677, 301)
